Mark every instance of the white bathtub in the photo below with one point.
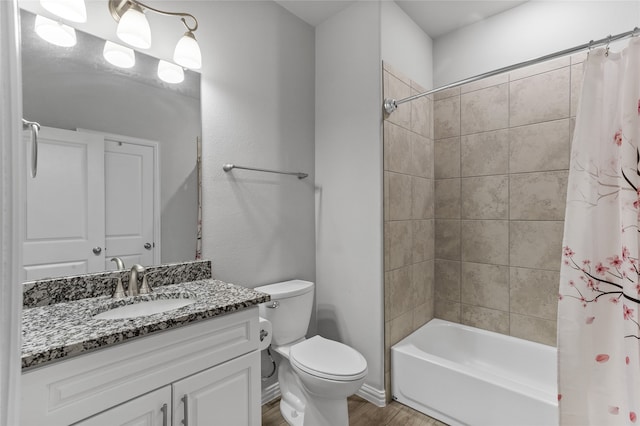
(466, 376)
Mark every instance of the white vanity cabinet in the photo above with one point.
(215, 363)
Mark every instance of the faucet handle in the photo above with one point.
(119, 293)
(144, 287)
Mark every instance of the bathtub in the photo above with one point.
(466, 376)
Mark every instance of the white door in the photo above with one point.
(129, 202)
(152, 409)
(64, 224)
(226, 395)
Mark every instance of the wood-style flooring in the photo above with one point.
(362, 413)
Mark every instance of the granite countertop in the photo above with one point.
(66, 329)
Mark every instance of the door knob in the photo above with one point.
(148, 246)
(97, 250)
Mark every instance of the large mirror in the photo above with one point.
(74, 89)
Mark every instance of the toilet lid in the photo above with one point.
(328, 359)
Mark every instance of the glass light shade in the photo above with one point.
(170, 73)
(55, 32)
(133, 28)
(71, 10)
(118, 55)
(187, 52)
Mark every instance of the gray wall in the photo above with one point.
(349, 184)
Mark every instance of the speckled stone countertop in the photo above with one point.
(66, 329)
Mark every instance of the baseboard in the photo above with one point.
(373, 395)
(270, 393)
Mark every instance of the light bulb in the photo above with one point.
(134, 29)
(187, 52)
(170, 73)
(118, 55)
(55, 32)
(72, 10)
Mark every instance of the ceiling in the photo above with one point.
(435, 17)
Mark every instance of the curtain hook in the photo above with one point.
(606, 52)
(589, 47)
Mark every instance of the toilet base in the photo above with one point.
(300, 408)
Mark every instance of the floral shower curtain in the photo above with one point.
(598, 330)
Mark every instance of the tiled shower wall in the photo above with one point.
(408, 213)
(501, 164)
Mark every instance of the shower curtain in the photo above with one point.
(598, 329)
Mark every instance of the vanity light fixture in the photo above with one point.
(170, 73)
(133, 28)
(119, 55)
(55, 32)
(71, 10)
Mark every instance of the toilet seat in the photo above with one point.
(328, 359)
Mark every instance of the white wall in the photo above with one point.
(534, 29)
(405, 46)
(348, 158)
(257, 110)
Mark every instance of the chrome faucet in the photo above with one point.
(119, 263)
(133, 281)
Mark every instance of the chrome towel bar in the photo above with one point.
(228, 167)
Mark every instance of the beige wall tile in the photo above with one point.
(447, 93)
(397, 89)
(399, 292)
(485, 241)
(447, 280)
(387, 345)
(534, 292)
(485, 197)
(447, 241)
(401, 327)
(447, 198)
(423, 240)
(535, 329)
(446, 161)
(484, 83)
(536, 244)
(396, 72)
(540, 68)
(485, 110)
(539, 147)
(538, 196)
(446, 118)
(387, 246)
(422, 282)
(577, 78)
(422, 198)
(397, 149)
(421, 156)
(485, 153)
(447, 310)
(543, 97)
(385, 194)
(399, 196)
(486, 319)
(422, 314)
(485, 285)
(421, 115)
(400, 243)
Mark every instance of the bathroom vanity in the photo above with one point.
(195, 365)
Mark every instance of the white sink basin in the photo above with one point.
(143, 308)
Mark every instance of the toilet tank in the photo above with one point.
(290, 319)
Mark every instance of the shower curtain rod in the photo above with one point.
(391, 105)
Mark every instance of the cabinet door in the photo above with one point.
(226, 395)
(152, 409)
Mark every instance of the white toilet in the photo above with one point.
(317, 374)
